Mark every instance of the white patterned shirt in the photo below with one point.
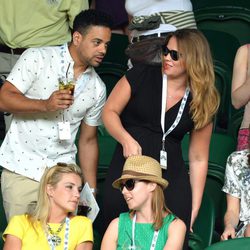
(32, 142)
(237, 181)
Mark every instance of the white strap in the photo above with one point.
(133, 232)
(163, 109)
(154, 240)
(164, 101)
(66, 237)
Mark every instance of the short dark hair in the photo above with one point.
(87, 18)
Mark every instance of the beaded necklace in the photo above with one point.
(53, 238)
(56, 240)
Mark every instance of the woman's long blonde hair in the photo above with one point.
(51, 176)
(195, 50)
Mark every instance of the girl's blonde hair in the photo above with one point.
(51, 177)
(159, 207)
(196, 54)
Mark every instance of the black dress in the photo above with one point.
(142, 119)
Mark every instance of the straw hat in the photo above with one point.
(141, 167)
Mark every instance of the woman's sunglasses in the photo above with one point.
(129, 184)
(175, 55)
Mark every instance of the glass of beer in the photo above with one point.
(67, 83)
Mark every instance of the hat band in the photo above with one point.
(136, 174)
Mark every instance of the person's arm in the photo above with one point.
(115, 104)
(12, 242)
(14, 101)
(109, 241)
(176, 235)
(241, 78)
(74, 8)
(198, 165)
(88, 153)
(85, 246)
(231, 218)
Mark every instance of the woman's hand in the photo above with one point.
(131, 147)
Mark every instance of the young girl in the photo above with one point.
(149, 224)
(51, 225)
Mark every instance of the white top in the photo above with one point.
(32, 142)
(149, 7)
(237, 181)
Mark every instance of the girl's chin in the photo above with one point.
(130, 207)
(165, 70)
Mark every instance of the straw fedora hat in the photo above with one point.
(141, 167)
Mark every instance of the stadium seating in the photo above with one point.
(223, 77)
(106, 146)
(200, 4)
(232, 244)
(223, 45)
(205, 221)
(230, 19)
(116, 49)
(235, 122)
(111, 73)
(195, 242)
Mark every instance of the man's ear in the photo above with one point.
(77, 37)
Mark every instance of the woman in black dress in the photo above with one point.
(174, 98)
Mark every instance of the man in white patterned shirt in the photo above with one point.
(46, 119)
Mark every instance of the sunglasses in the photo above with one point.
(175, 55)
(129, 184)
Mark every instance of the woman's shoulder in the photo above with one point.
(169, 217)
(23, 218)
(75, 220)
(242, 52)
(17, 224)
(172, 219)
(123, 220)
(244, 47)
(177, 224)
(125, 215)
(115, 222)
